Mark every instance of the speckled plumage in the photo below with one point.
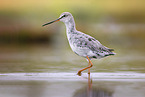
(82, 44)
(85, 45)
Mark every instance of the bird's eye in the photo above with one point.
(64, 15)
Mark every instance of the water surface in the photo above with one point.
(42, 71)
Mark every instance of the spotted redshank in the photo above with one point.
(82, 44)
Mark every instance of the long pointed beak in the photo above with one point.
(51, 22)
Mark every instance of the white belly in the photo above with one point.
(81, 51)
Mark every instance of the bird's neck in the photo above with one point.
(70, 26)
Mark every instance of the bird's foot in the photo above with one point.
(79, 73)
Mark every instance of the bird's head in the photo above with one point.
(64, 17)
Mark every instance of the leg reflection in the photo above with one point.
(93, 91)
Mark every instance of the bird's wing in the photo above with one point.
(88, 42)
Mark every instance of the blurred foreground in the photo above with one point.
(56, 85)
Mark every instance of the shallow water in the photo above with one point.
(42, 71)
(42, 58)
(71, 85)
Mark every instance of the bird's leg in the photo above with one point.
(89, 68)
(90, 64)
(79, 72)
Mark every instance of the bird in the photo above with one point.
(82, 44)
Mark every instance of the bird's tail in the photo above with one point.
(111, 53)
(111, 50)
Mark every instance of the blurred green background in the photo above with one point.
(25, 44)
(118, 22)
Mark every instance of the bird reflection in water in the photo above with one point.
(92, 91)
